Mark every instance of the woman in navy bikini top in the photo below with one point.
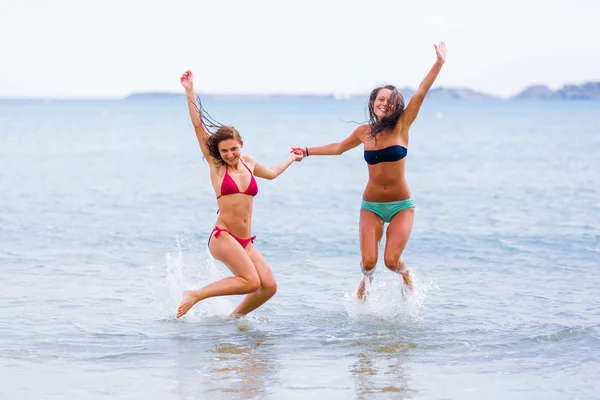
(232, 245)
(386, 198)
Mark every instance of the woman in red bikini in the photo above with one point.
(231, 239)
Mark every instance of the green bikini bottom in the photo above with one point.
(386, 210)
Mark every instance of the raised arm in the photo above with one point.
(187, 81)
(273, 172)
(414, 105)
(333, 149)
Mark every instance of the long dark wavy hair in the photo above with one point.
(395, 105)
(217, 132)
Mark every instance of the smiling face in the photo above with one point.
(381, 105)
(225, 146)
(230, 151)
(386, 105)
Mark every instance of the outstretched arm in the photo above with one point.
(333, 149)
(273, 172)
(414, 105)
(187, 81)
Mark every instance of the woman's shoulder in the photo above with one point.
(249, 160)
(362, 131)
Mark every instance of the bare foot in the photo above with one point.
(360, 292)
(407, 280)
(235, 315)
(188, 301)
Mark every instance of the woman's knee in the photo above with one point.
(393, 262)
(368, 263)
(253, 283)
(269, 287)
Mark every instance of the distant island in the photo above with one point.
(586, 91)
(441, 93)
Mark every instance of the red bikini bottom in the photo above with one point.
(242, 241)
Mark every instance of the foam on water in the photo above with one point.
(190, 267)
(389, 299)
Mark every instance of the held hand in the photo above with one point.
(299, 149)
(440, 51)
(298, 155)
(187, 79)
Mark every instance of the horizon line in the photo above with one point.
(337, 95)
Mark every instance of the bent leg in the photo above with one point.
(246, 280)
(398, 232)
(267, 289)
(371, 231)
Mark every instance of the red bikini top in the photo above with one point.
(228, 185)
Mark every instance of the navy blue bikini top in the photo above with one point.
(389, 154)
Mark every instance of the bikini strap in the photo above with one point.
(251, 174)
(217, 231)
(226, 173)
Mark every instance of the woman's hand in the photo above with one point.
(301, 150)
(440, 51)
(187, 80)
(298, 155)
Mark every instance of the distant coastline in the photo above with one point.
(585, 91)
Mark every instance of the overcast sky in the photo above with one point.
(110, 48)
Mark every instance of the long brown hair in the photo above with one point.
(395, 104)
(217, 132)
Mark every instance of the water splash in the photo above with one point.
(388, 299)
(190, 267)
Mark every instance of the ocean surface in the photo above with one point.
(106, 207)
